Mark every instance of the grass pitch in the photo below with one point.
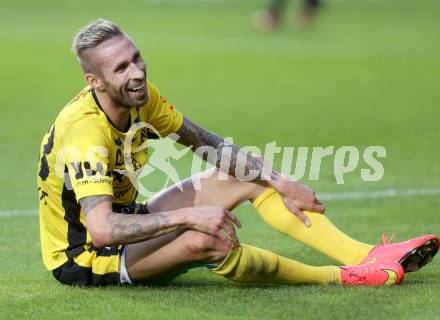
(366, 74)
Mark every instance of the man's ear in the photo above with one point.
(94, 81)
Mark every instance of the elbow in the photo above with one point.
(99, 243)
(100, 237)
(98, 229)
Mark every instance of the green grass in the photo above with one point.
(366, 74)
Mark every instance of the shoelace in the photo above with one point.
(386, 240)
(359, 276)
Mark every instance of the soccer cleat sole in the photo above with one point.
(420, 256)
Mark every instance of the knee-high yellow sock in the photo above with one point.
(322, 235)
(254, 265)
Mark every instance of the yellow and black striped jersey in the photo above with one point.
(83, 155)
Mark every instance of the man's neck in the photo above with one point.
(118, 116)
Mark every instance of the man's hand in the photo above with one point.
(297, 197)
(215, 221)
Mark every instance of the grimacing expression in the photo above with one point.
(122, 71)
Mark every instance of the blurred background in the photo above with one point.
(362, 73)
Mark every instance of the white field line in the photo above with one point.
(18, 213)
(388, 193)
(360, 195)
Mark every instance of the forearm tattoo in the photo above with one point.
(196, 137)
(130, 228)
(133, 228)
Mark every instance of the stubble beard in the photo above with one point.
(121, 101)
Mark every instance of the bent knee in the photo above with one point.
(196, 242)
(204, 246)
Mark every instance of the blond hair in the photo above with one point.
(92, 35)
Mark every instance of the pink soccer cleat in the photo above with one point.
(380, 273)
(411, 255)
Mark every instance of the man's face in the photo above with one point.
(122, 71)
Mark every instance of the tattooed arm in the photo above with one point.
(107, 228)
(230, 160)
(228, 157)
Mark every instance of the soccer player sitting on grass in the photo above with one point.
(94, 233)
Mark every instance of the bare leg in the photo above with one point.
(214, 192)
(161, 257)
(152, 263)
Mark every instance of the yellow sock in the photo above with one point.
(322, 235)
(254, 265)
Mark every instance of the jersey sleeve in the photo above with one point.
(161, 114)
(86, 154)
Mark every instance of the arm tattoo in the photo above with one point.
(133, 228)
(88, 203)
(130, 228)
(196, 137)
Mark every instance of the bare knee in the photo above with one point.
(202, 246)
(196, 242)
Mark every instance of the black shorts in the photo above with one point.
(93, 267)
